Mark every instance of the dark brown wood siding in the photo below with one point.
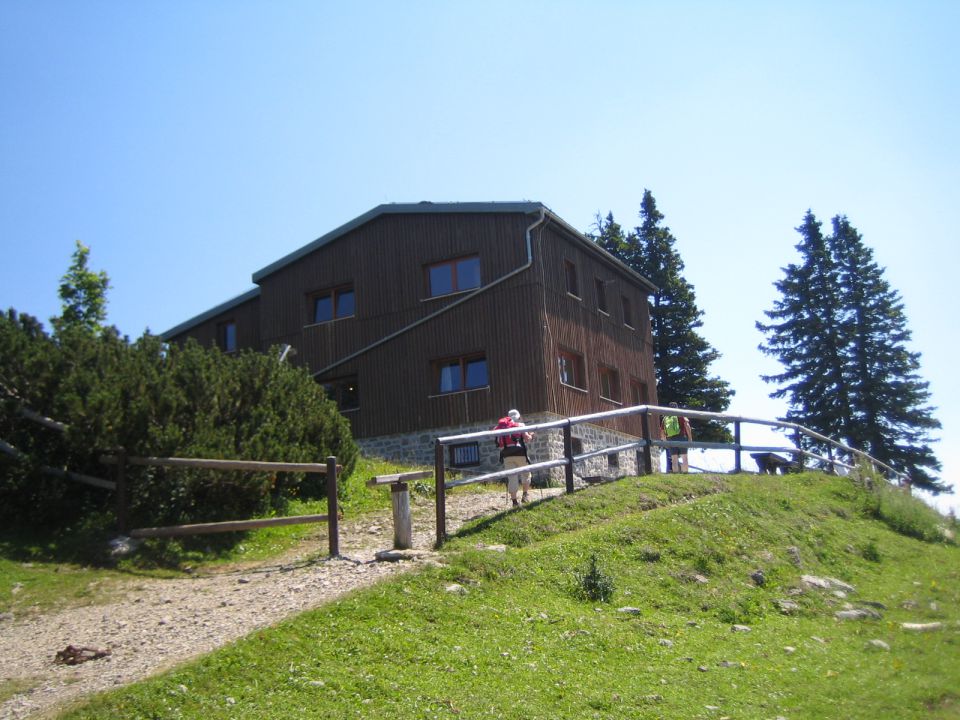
(518, 324)
(247, 318)
(385, 261)
(576, 324)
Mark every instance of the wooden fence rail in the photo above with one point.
(330, 469)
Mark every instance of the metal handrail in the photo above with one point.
(569, 459)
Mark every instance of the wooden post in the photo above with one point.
(123, 514)
(333, 521)
(737, 467)
(568, 454)
(402, 523)
(647, 448)
(798, 457)
(441, 491)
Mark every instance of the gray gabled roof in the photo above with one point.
(398, 209)
(526, 207)
(211, 313)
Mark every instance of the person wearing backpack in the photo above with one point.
(513, 454)
(676, 427)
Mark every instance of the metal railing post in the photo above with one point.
(568, 454)
(647, 448)
(737, 467)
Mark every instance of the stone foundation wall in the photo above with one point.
(417, 449)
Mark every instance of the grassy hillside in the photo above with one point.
(637, 599)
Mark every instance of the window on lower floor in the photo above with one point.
(462, 373)
(451, 276)
(609, 384)
(343, 391)
(613, 460)
(333, 304)
(465, 454)
(571, 369)
(227, 336)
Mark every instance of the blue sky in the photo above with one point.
(190, 144)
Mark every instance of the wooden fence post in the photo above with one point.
(123, 514)
(441, 491)
(333, 522)
(737, 467)
(568, 454)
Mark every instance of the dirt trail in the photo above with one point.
(157, 624)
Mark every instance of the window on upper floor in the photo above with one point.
(571, 369)
(334, 304)
(458, 374)
(570, 277)
(227, 336)
(343, 391)
(639, 393)
(453, 276)
(627, 311)
(601, 287)
(609, 384)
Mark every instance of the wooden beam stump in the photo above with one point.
(402, 522)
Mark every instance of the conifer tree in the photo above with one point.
(889, 413)
(839, 331)
(805, 337)
(682, 357)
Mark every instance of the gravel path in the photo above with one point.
(158, 624)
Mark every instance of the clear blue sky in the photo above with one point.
(190, 144)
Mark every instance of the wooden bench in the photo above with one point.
(771, 463)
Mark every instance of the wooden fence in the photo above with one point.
(329, 469)
(645, 444)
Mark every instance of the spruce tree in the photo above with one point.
(889, 412)
(681, 356)
(839, 331)
(805, 337)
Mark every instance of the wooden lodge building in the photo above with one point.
(432, 319)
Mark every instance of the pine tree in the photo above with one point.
(840, 332)
(681, 355)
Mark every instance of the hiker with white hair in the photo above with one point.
(513, 454)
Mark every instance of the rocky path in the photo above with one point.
(157, 624)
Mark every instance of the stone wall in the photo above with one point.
(417, 449)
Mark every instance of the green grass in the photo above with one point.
(518, 641)
(40, 571)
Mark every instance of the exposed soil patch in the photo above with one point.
(156, 624)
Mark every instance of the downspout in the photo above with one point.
(455, 303)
